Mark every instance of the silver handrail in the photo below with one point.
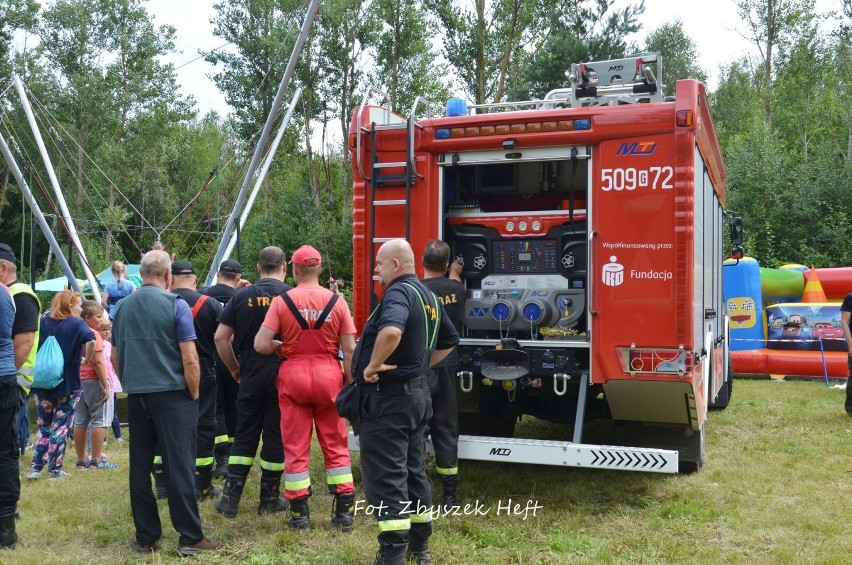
(556, 96)
(360, 131)
(412, 162)
(496, 105)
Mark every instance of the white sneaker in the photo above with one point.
(32, 475)
(56, 475)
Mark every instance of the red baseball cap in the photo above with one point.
(306, 256)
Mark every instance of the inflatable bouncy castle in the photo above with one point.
(786, 321)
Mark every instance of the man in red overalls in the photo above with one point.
(314, 324)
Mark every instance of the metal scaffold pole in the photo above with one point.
(66, 215)
(28, 195)
(264, 136)
(263, 170)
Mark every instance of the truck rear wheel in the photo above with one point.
(689, 443)
(726, 391)
(691, 455)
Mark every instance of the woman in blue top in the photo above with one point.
(115, 291)
(55, 407)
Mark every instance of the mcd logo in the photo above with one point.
(636, 148)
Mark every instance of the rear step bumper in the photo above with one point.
(564, 453)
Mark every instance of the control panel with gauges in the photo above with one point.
(519, 280)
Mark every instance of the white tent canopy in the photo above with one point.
(105, 276)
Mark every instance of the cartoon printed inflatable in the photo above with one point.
(786, 321)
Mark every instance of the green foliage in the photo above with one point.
(774, 26)
(679, 54)
(14, 15)
(287, 215)
(588, 30)
(263, 33)
(107, 89)
(149, 168)
(788, 170)
(345, 32)
(483, 42)
(405, 59)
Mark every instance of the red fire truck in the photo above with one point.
(590, 228)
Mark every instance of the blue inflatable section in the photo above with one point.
(744, 302)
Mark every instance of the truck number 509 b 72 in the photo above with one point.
(631, 179)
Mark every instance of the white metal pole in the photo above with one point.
(72, 231)
(264, 136)
(263, 170)
(28, 195)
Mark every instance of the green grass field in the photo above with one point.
(776, 488)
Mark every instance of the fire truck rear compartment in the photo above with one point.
(517, 221)
(521, 230)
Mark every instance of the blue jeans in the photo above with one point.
(116, 424)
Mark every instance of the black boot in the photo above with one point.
(450, 483)
(299, 514)
(418, 550)
(222, 453)
(8, 537)
(270, 497)
(230, 500)
(344, 511)
(390, 555)
(160, 481)
(204, 483)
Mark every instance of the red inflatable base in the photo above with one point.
(792, 363)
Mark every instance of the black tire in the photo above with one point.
(691, 456)
(689, 443)
(725, 392)
(730, 383)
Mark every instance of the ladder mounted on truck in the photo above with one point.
(385, 120)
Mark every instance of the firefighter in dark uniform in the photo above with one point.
(444, 427)
(403, 337)
(205, 312)
(229, 279)
(257, 403)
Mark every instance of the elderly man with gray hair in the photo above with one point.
(157, 361)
